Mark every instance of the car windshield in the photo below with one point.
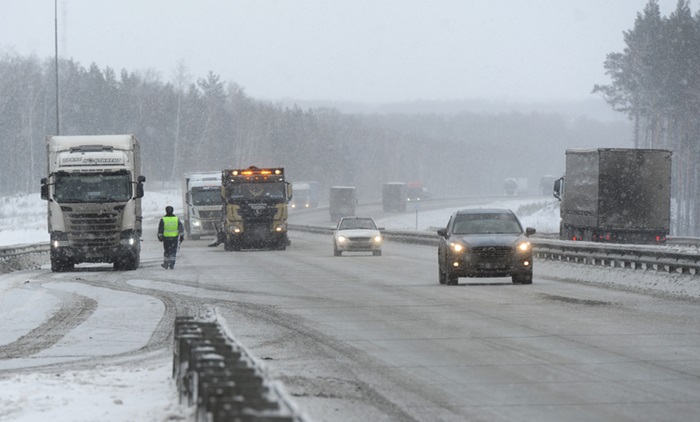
(486, 224)
(357, 223)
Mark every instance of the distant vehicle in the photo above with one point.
(357, 234)
(343, 202)
(305, 195)
(484, 243)
(417, 192)
(201, 203)
(394, 197)
(510, 186)
(515, 186)
(617, 195)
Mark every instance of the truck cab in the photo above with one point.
(201, 195)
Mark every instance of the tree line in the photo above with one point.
(655, 80)
(202, 124)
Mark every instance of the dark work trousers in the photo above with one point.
(169, 252)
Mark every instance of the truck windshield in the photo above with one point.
(75, 188)
(206, 196)
(274, 191)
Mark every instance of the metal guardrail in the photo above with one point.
(19, 257)
(659, 258)
(224, 382)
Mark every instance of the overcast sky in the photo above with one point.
(369, 51)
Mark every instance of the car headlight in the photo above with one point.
(524, 247)
(457, 247)
(377, 238)
(342, 239)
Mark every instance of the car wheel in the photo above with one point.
(377, 253)
(336, 252)
(525, 278)
(452, 280)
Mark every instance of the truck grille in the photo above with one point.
(94, 230)
(260, 213)
(210, 215)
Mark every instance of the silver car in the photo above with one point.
(357, 234)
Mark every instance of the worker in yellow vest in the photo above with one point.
(170, 231)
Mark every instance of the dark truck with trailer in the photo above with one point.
(615, 195)
(254, 214)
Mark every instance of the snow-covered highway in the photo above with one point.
(355, 337)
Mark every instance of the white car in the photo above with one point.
(357, 234)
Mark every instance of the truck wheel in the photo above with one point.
(232, 244)
(441, 276)
(128, 262)
(59, 265)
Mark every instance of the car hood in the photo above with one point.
(476, 241)
(357, 233)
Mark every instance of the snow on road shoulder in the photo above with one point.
(105, 393)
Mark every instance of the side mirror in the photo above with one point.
(558, 188)
(380, 228)
(139, 191)
(530, 231)
(44, 189)
(442, 232)
(289, 191)
(139, 186)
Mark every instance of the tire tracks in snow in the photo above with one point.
(74, 310)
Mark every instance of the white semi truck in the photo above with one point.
(201, 203)
(94, 189)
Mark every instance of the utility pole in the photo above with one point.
(55, 13)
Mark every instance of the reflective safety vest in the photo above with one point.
(170, 228)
